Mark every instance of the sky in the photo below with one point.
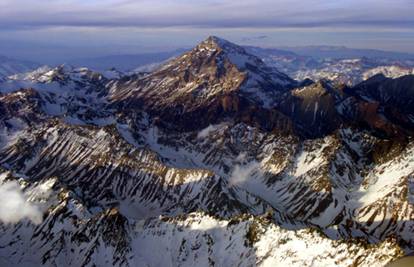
(62, 29)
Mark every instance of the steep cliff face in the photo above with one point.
(392, 97)
(313, 108)
(214, 80)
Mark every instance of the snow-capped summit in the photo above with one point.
(32, 75)
(244, 61)
(215, 78)
(235, 53)
(60, 79)
(389, 71)
(78, 93)
(65, 73)
(61, 74)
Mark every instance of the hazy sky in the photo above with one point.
(78, 28)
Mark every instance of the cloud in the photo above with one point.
(206, 131)
(254, 38)
(57, 31)
(209, 13)
(14, 205)
(242, 157)
(242, 173)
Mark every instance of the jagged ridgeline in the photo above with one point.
(212, 159)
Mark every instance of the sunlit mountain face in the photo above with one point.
(127, 141)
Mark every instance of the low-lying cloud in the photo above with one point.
(254, 38)
(208, 130)
(14, 205)
(241, 173)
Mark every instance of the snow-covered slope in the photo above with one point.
(350, 70)
(78, 94)
(188, 240)
(388, 71)
(54, 79)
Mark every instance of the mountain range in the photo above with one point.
(216, 157)
(10, 66)
(334, 63)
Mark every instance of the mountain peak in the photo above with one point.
(215, 80)
(214, 43)
(213, 68)
(215, 39)
(222, 48)
(218, 42)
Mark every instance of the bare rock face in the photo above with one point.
(313, 108)
(392, 99)
(214, 80)
(387, 91)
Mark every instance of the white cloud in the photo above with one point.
(241, 173)
(206, 131)
(242, 157)
(14, 205)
